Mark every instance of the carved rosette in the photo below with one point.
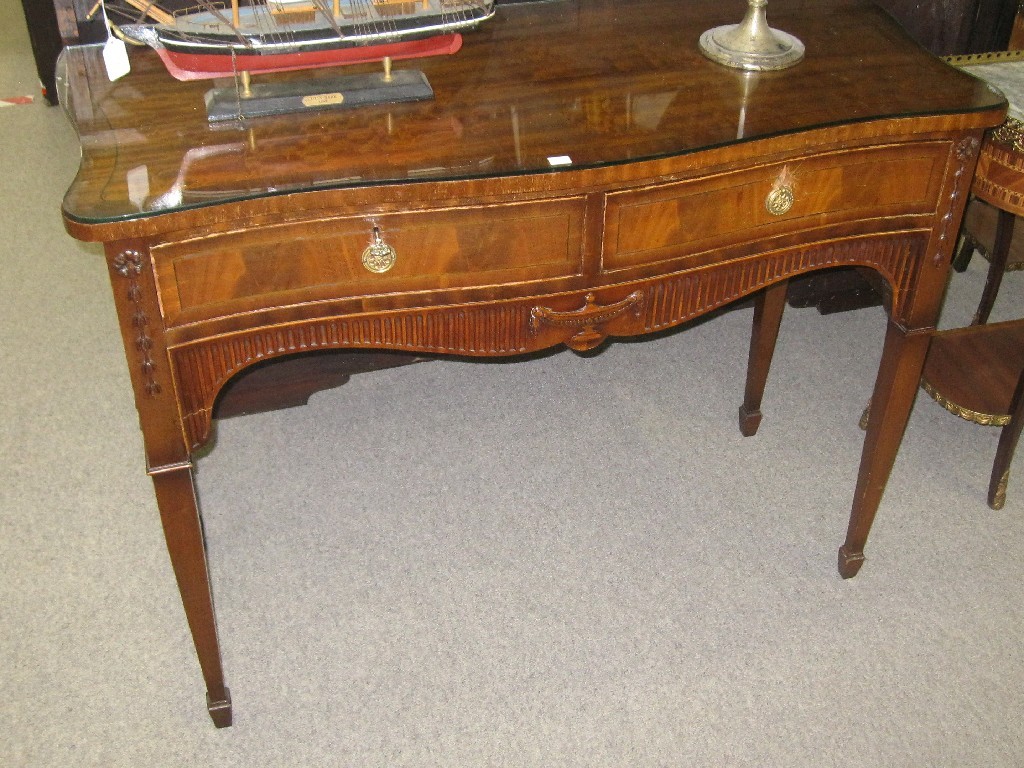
(128, 264)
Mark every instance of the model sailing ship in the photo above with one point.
(214, 39)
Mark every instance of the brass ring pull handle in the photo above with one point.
(780, 199)
(379, 257)
(586, 319)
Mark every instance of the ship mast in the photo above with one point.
(235, 19)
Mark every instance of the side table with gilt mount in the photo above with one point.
(977, 372)
(999, 187)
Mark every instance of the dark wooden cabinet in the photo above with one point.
(53, 25)
(46, 43)
(76, 21)
(949, 27)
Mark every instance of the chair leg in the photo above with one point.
(1004, 452)
(997, 265)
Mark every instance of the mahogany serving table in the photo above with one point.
(582, 172)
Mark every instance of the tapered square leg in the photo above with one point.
(183, 531)
(769, 305)
(220, 710)
(895, 388)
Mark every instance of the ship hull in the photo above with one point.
(207, 44)
(187, 65)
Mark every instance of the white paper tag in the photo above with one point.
(138, 185)
(559, 160)
(115, 57)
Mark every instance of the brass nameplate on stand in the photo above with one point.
(266, 99)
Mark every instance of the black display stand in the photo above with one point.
(52, 24)
(44, 36)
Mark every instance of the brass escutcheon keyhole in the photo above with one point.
(379, 257)
(779, 200)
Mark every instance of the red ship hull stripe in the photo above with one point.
(190, 66)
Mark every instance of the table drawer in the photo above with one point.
(688, 218)
(324, 259)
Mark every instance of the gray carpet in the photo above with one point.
(566, 561)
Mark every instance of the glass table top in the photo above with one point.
(538, 88)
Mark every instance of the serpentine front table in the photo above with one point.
(582, 172)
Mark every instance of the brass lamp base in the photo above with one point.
(752, 44)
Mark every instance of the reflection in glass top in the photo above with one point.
(538, 88)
